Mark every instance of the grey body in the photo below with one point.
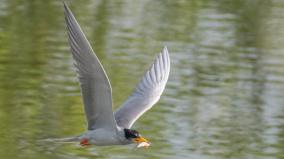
(103, 137)
(105, 128)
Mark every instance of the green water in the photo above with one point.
(224, 98)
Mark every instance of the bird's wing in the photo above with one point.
(147, 92)
(95, 86)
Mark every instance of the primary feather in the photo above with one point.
(147, 92)
(95, 86)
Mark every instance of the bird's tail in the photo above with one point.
(62, 140)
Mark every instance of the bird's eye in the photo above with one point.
(137, 134)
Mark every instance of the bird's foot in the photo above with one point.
(85, 142)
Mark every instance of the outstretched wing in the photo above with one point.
(95, 86)
(147, 92)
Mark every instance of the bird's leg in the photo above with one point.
(84, 142)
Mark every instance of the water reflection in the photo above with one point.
(224, 98)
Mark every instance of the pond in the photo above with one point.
(224, 98)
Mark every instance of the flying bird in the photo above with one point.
(104, 126)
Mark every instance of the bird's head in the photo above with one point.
(134, 136)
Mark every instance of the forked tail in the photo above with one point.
(62, 140)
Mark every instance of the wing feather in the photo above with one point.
(95, 86)
(147, 92)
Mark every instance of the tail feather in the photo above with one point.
(62, 140)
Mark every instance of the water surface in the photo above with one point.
(224, 98)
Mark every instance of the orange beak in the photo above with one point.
(140, 139)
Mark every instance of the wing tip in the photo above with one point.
(165, 53)
(64, 4)
(165, 49)
(67, 10)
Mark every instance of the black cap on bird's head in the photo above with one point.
(129, 133)
(134, 135)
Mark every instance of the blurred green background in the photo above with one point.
(224, 98)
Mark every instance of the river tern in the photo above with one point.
(104, 126)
